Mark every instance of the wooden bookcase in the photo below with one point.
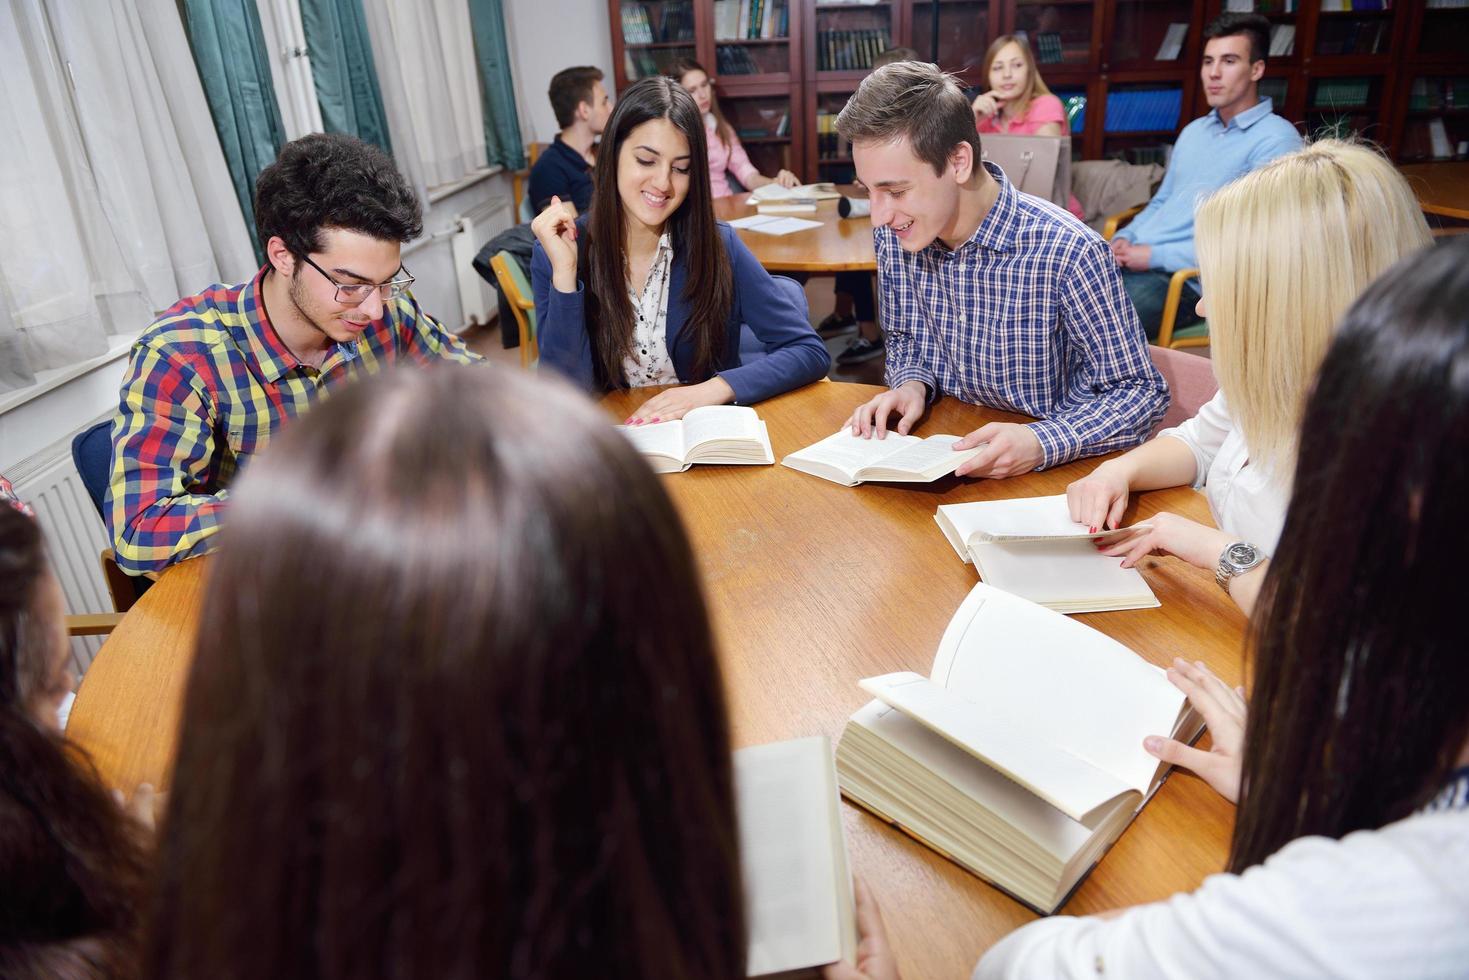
(1391, 75)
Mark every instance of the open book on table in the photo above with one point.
(1020, 756)
(810, 192)
(1030, 546)
(798, 888)
(850, 459)
(730, 434)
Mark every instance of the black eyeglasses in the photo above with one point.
(353, 293)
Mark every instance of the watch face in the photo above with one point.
(1242, 555)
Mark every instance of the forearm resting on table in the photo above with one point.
(1156, 465)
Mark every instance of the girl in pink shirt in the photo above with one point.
(1018, 102)
(726, 155)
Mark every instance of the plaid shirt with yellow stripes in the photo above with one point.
(207, 385)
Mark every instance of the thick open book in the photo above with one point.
(1020, 756)
(849, 459)
(713, 434)
(798, 888)
(809, 192)
(1030, 546)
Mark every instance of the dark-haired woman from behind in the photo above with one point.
(1350, 855)
(435, 731)
(649, 289)
(72, 862)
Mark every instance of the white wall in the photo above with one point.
(546, 36)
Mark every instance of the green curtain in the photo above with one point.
(502, 126)
(229, 50)
(341, 64)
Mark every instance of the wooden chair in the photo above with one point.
(522, 304)
(1194, 335)
(520, 182)
(92, 624)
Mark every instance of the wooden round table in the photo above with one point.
(1442, 188)
(839, 245)
(812, 586)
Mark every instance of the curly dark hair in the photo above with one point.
(330, 180)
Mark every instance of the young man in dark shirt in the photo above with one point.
(564, 170)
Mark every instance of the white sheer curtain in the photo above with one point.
(424, 55)
(290, 66)
(116, 200)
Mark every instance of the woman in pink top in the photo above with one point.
(726, 155)
(1018, 102)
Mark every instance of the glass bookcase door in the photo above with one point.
(1353, 28)
(1142, 121)
(1150, 33)
(963, 36)
(1060, 31)
(1344, 106)
(1437, 125)
(655, 34)
(833, 153)
(763, 124)
(752, 37)
(1445, 31)
(850, 35)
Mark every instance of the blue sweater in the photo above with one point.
(774, 314)
(1207, 156)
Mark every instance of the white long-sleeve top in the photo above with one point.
(1385, 903)
(1247, 501)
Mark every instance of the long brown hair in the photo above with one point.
(458, 712)
(1359, 705)
(72, 865)
(682, 67)
(709, 287)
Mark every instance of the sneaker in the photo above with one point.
(861, 350)
(835, 323)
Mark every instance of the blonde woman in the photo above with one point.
(1283, 251)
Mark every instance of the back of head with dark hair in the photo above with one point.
(458, 714)
(72, 866)
(914, 100)
(329, 180)
(1357, 713)
(570, 87)
(693, 226)
(1255, 26)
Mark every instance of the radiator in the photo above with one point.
(75, 536)
(475, 227)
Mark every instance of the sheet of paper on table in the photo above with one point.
(767, 224)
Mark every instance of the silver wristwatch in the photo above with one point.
(1236, 559)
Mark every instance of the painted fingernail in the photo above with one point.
(657, 419)
(1153, 743)
(1093, 530)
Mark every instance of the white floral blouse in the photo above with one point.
(649, 363)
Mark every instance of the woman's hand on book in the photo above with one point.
(871, 418)
(555, 229)
(875, 959)
(675, 403)
(787, 179)
(1224, 710)
(1099, 498)
(1169, 534)
(1010, 449)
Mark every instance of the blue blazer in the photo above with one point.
(795, 355)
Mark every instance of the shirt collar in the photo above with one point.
(570, 153)
(1249, 117)
(996, 231)
(257, 335)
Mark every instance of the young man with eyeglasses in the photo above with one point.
(217, 374)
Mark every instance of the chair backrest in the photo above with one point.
(1038, 165)
(91, 452)
(533, 152)
(1190, 378)
(522, 302)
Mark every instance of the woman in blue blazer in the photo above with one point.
(649, 289)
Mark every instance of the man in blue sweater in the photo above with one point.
(1240, 133)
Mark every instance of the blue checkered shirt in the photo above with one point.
(1028, 315)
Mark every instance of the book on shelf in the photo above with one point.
(850, 50)
(798, 886)
(1029, 546)
(850, 459)
(1048, 49)
(728, 434)
(731, 59)
(1282, 40)
(1172, 45)
(810, 192)
(1019, 757)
